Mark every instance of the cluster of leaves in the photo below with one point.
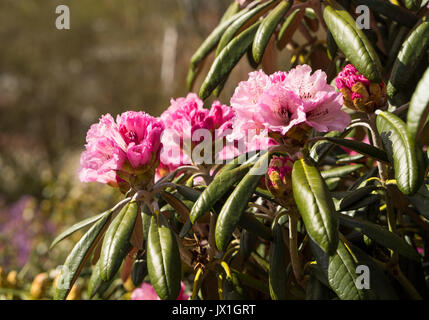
(237, 239)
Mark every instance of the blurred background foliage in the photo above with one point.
(118, 55)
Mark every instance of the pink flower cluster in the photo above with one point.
(115, 150)
(184, 117)
(279, 102)
(270, 107)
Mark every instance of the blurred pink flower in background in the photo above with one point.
(147, 292)
(130, 145)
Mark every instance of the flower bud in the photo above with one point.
(12, 279)
(359, 93)
(278, 180)
(39, 285)
(74, 293)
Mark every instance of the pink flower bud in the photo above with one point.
(359, 93)
(279, 180)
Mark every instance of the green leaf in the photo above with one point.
(340, 270)
(355, 197)
(78, 256)
(412, 4)
(139, 271)
(418, 111)
(352, 41)
(315, 204)
(360, 147)
(408, 62)
(289, 27)
(277, 273)
(242, 23)
(391, 11)
(341, 171)
(380, 235)
(227, 59)
(267, 28)
(232, 9)
(249, 222)
(78, 226)
(221, 184)
(116, 242)
(420, 200)
(96, 285)
(207, 46)
(163, 259)
(236, 203)
(401, 149)
(379, 282)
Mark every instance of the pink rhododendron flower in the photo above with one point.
(183, 121)
(147, 292)
(283, 101)
(115, 150)
(360, 93)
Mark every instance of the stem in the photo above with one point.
(293, 248)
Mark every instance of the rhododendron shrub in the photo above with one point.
(284, 190)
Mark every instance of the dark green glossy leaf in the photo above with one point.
(341, 171)
(408, 61)
(242, 23)
(78, 256)
(216, 189)
(340, 270)
(352, 41)
(360, 147)
(380, 235)
(227, 59)
(289, 27)
(267, 28)
(78, 226)
(400, 147)
(116, 242)
(277, 273)
(163, 259)
(315, 204)
(236, 203)
(418, 110)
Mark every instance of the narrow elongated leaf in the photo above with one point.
(380, 235)
(378, 281)
(360, 147)
(77, 226)
(239, 24)
(78, 256)
(391, 11)
(401, 149)
(341, 171)
(352, 41)
(408, 61)
(116, 242)
(340, 270)
(232, 9)
(236, 203)
(267, 27)
(418, 111)
(277, 273)
(207, 46)
(315, 204)
(249, 222)
(412, 4)
(216, 189)
(163, 259)
(289, 27)
(227, 59)
(96, 285)
(356, 196)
